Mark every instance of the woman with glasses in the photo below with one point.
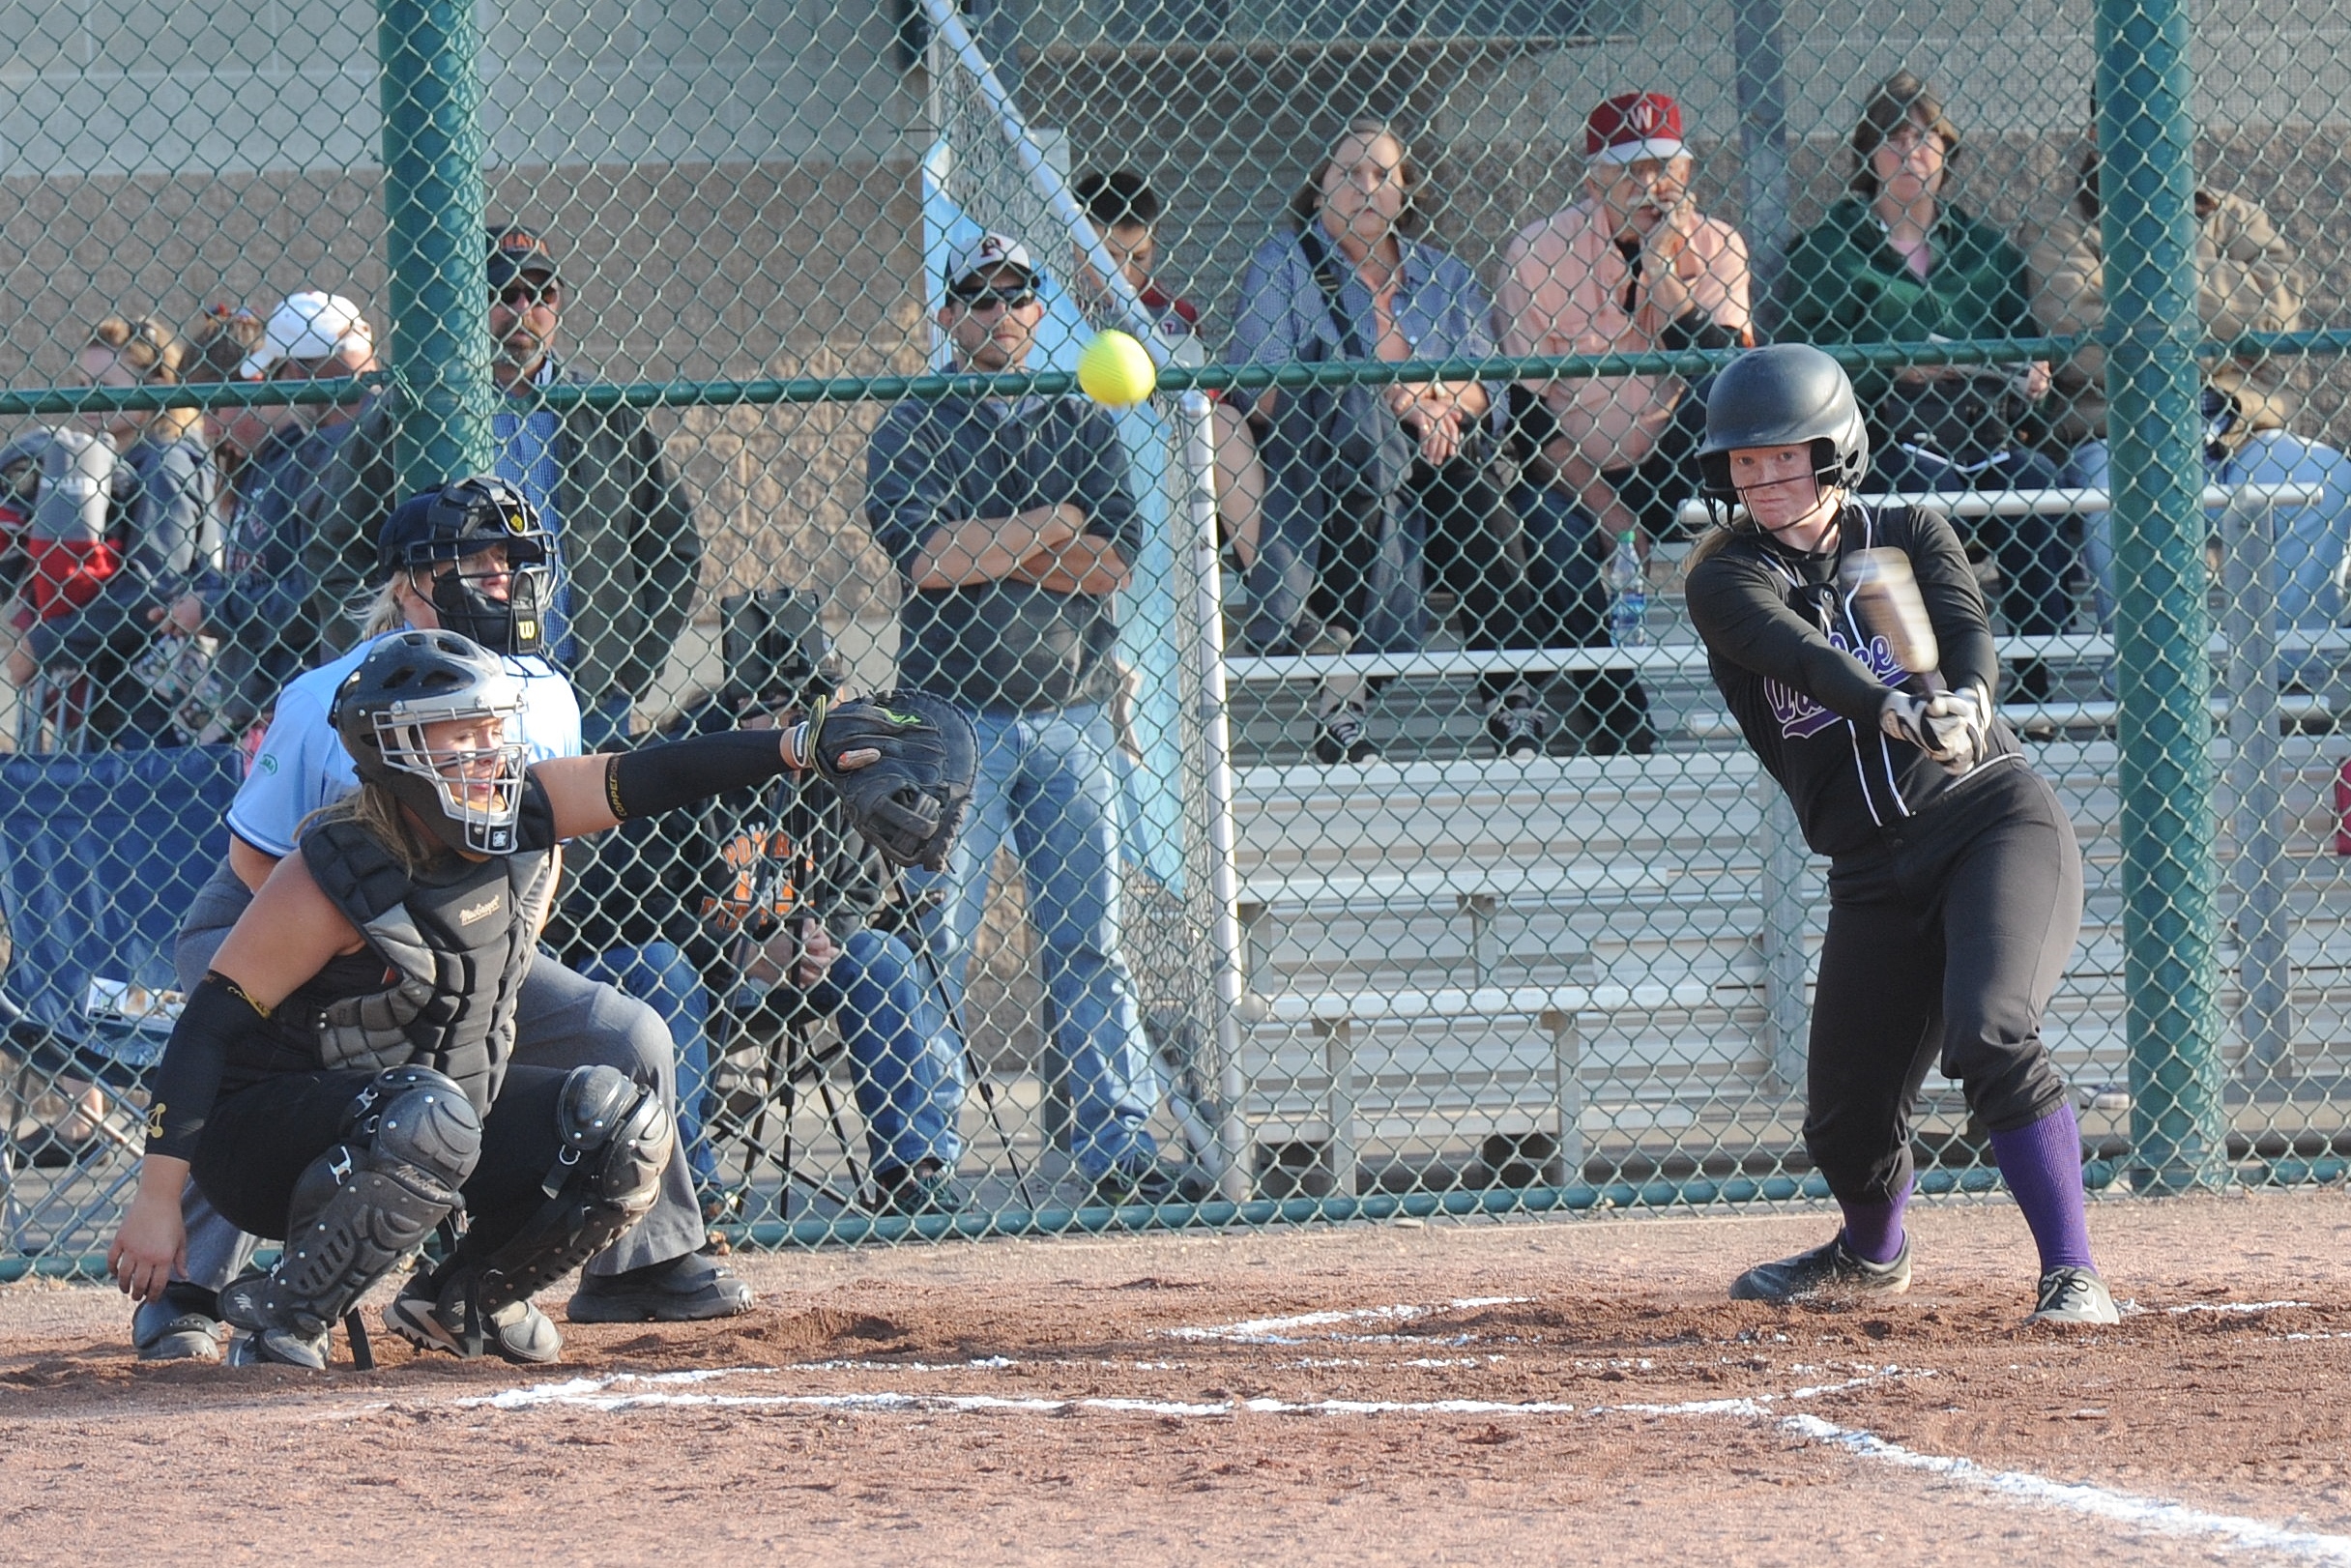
(1898, 262)
(1355, 475)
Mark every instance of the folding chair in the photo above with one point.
(101, 854)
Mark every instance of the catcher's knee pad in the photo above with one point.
(410, 1140)
(617, 1140)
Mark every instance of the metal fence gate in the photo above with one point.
(1343, 849)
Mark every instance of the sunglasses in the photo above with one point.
(981, 298)
(521, 296)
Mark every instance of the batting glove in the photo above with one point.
(1956, 724)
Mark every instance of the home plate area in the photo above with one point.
(1521, 1393)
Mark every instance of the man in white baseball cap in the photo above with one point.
(311, 328)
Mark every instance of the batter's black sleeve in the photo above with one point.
(1739, 605)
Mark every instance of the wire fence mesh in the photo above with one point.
(1358, 820)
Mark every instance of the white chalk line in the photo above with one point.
(663, 1390)
(2093, 1501)
(1273, 1330)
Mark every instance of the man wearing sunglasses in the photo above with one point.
(626, 550)
(1012, 526)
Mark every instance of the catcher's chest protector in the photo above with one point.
(460, 949)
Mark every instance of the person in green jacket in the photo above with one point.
(1897, 263)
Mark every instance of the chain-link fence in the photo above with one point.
(1360, 829)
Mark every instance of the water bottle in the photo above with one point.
(1628, 595)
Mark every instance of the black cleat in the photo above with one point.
(182, 1324)
(433, 1317)
(1831, 1269)
(2074, 1297)
(683, 1289)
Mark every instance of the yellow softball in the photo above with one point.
(1116, 371)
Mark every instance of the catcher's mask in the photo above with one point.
(459, 522)
(1788, 395)
(394, 712)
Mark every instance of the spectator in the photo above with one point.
(789, 916)
(1124, 208)
(1630, 267)
(467, 557)
(2248, 282)
(1897, 263)
(179, 672)
(1012, 527)
(1353, 472)
(162, 531)
(627, 549)
(258, 604)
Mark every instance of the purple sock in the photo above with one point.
(1874, 1231)
(2041, 1165)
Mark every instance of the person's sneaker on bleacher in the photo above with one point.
(1340, 735)
(1514, 722)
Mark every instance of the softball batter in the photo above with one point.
(1954, 882)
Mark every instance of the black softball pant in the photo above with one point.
(1947, 941)
(262, 1138)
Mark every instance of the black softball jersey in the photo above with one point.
(1805, 677)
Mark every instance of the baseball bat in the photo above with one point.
(1886, 599)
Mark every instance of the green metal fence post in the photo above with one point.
(434, 205)
(2148, 187)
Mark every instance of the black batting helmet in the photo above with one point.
(464, 518)
(1790, 395)
(469, 797)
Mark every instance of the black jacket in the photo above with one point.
(1806, 681)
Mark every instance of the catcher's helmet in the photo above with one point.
(1790, 395)
(469, 797)
(461, 520)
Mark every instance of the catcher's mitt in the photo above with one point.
(909, 802)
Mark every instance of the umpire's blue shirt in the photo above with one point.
(1001, 647)
(301, 764)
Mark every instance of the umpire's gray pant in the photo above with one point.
(562, 1019)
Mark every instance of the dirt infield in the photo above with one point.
(1570, 1392)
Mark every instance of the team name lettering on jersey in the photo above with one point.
(1800, 717)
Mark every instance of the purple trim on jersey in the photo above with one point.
(1800, 717)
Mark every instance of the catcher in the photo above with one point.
(341, 1077)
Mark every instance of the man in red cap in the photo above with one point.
(1631, 267)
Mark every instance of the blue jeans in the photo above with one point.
(1046, 783)
(2309, 540)
(908, 1058)
(604, 721)
(659, 976)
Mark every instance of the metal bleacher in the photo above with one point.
(1461, 967)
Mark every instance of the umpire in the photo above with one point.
(467, 558)
(1954, 882)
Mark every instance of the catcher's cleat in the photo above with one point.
(1831, 1269)
(432, 1317)
(182, 1324)
(2074, 1296)
(278, 1347)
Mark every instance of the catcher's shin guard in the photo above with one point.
(409, 1143)
(617, 1140)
